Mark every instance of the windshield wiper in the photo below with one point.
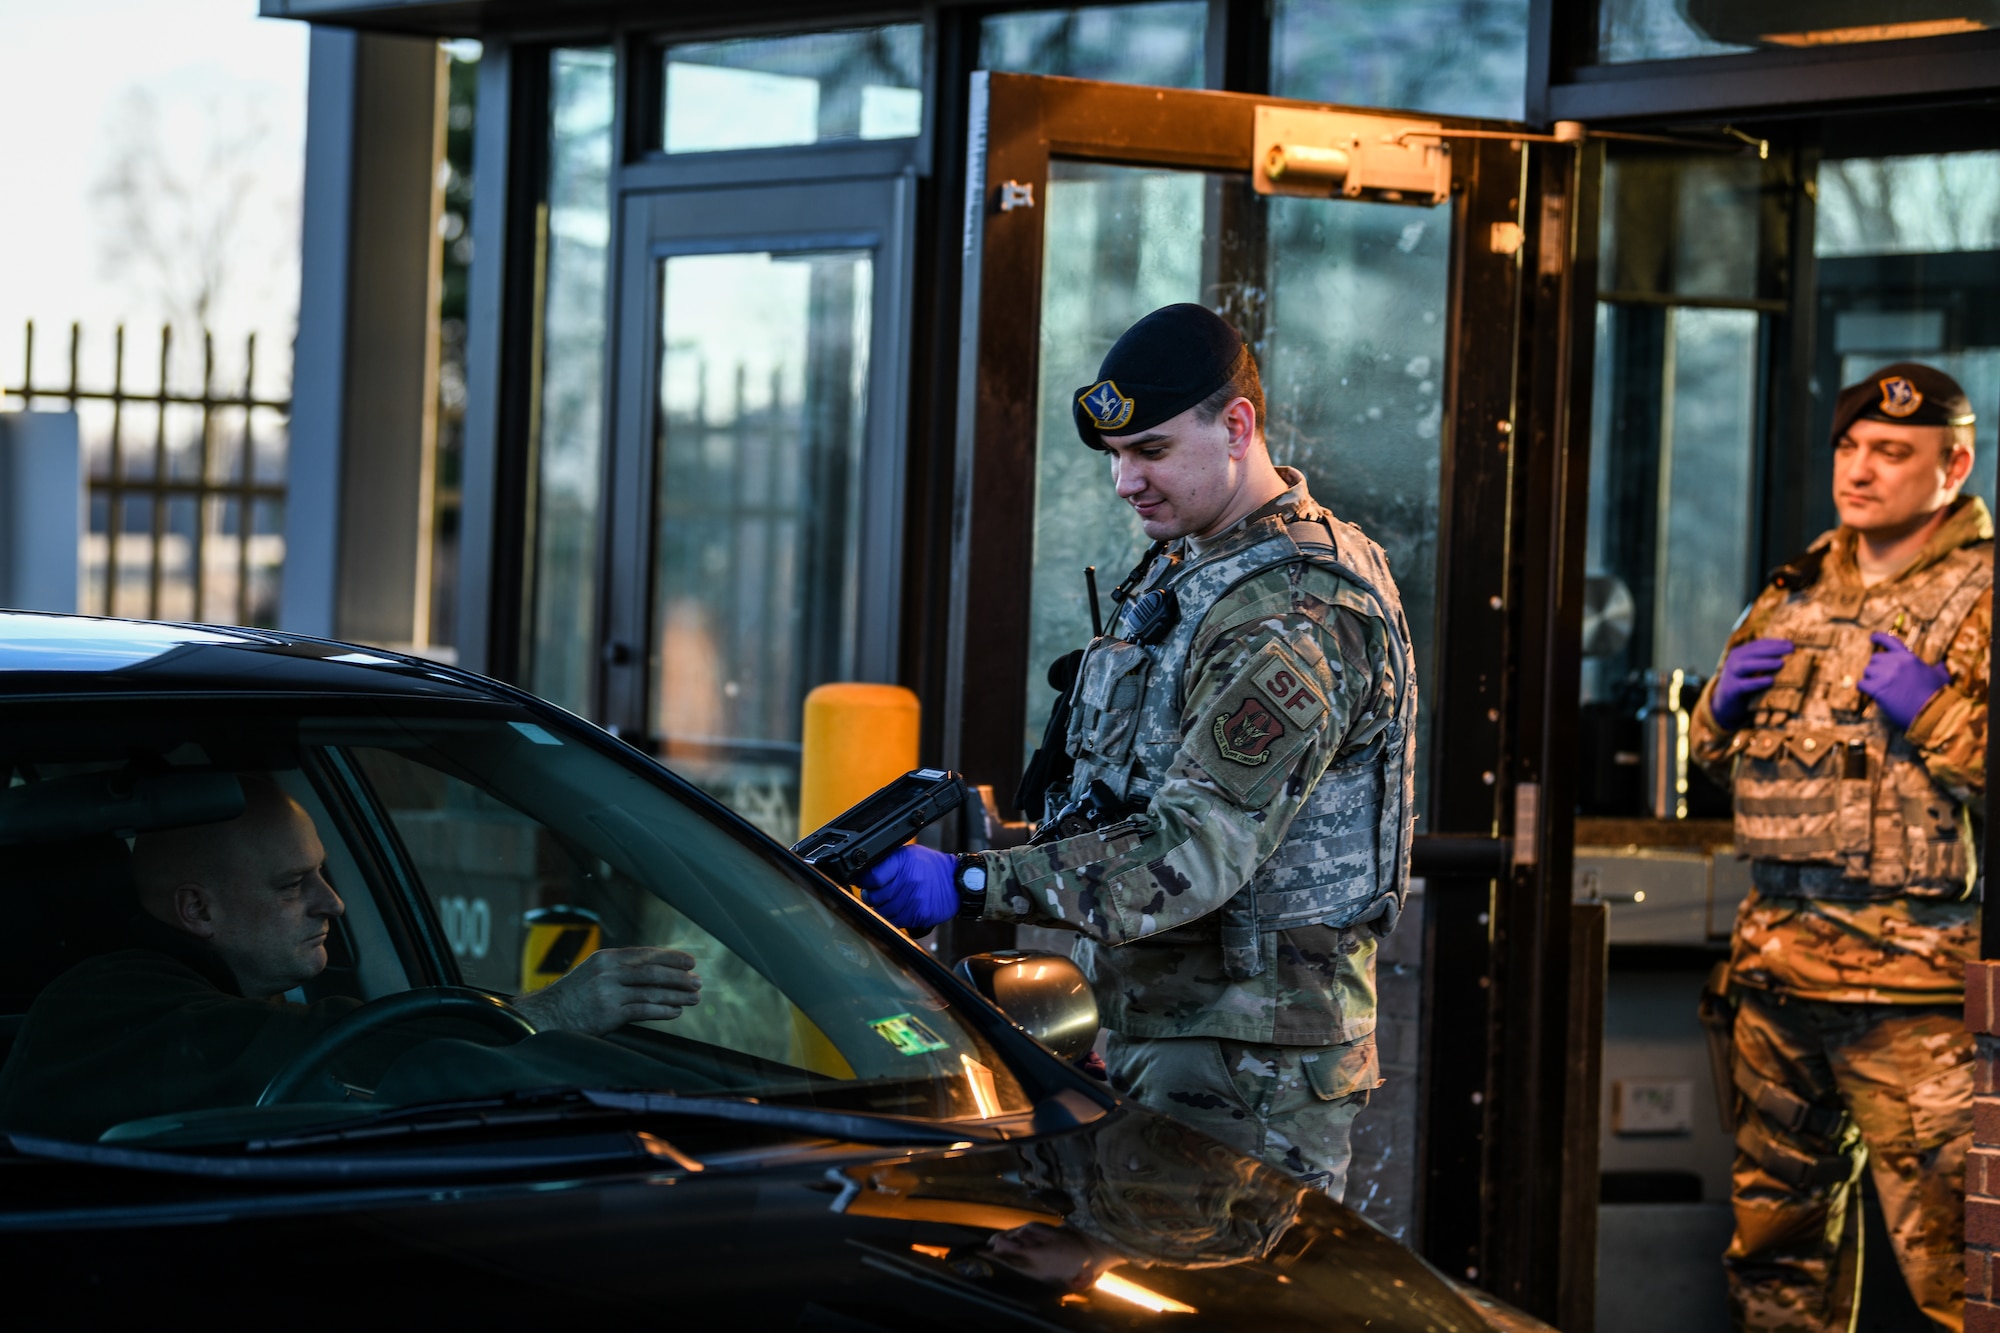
(449, 1160)
(854, 1126)
(548, 1105)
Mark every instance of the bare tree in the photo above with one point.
(175, 223)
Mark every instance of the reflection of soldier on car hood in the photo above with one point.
(1158, 1192)
(1144, 1190)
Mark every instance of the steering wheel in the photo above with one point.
(496, 1016)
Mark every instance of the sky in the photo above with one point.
(200, 106)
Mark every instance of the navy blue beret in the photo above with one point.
(1907, 393)
(1158, 369)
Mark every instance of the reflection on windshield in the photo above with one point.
(247, 905)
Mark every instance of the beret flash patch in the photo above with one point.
(1107, 408)
(1900, 397)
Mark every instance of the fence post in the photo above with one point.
(41, 511)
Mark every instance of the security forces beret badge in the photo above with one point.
(1107, 407)
(1900, 397)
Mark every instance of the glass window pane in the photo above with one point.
(763, 406)
(1354, 377)
(569, 443)
(530, 861)
(1673, 444)
(1670, 558)
(1159, 44)
(1630, 30)
(1452, 57)
(1932, 203)
(1703, 558)
(1121, 241)
(1909, 269)
(1352, 355)
(769, 92)
(486, 866)
(1683, 226)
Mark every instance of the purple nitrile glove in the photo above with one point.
(912, 886)
(1746, 673)
(1899, 680)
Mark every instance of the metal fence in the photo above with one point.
(186, 490)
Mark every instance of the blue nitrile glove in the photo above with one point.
(1746, 673)
(1899, 680)
(912, 886)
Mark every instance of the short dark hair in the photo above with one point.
(1243, 382)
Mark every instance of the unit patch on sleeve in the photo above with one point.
(1248, 734)
(1268, 712)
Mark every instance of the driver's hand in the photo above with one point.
(614, 987)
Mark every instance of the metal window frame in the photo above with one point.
(1564, 84)
(656, 224)
(502, 325)
(1500, 1177)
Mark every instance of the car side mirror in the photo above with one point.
(1045, 993)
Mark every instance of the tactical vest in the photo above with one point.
(1832, 799)
(1346, 858)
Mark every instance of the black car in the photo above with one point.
(841, 1135)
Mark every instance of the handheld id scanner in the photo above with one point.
(849, 843)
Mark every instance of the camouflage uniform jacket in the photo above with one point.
(1822, 778)
(1147, 895)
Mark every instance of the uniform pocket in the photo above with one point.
(1807, 753)
(1941, 1107)
(1787, 786)
(1110, 686)
(1333, 1072)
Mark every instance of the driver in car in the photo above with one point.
(194, 1015)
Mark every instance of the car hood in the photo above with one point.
(1122, 1223)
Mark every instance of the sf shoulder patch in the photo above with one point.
(1270, 710)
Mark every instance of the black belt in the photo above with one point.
(1792, 879)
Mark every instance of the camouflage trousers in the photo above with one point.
(1825, 1089)
(1291, 1106)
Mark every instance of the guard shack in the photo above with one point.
(772, 319)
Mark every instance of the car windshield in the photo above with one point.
(463, 848)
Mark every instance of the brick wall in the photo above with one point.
(1982, 1168)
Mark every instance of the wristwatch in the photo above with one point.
(970, 881)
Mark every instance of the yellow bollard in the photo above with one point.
(858, 739)
(555, 940)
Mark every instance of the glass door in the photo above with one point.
(1413, 316)
(1347, 318)
(759, 476)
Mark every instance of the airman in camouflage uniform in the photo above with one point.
(1262, 1036)
(1262, 737)
(1848, 964)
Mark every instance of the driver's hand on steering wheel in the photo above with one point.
(613, 987)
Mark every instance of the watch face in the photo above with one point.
(973, 877)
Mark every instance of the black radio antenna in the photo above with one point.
(1096, 616)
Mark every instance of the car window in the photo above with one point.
(499, 841)
(522, 905)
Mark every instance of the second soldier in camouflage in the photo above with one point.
(1849, 716)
